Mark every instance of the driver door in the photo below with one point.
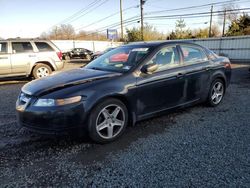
(164, 88)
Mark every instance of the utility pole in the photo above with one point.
(224, 22)
(141, 5)
(121, 19)
(211, 20)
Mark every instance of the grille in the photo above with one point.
(24, 98)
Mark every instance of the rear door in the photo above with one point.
(5, 65)
(22, 57)
(196, 65)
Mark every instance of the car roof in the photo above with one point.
(25, 40)
(160, 43)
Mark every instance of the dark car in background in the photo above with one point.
(128, 84)
(98, 54)
(80, 53)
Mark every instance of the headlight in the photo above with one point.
(57, 102)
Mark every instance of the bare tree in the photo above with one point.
(60, 32)
(215, 31)
(67, 31)
(230, 14)
(44, 35)
(54, 33)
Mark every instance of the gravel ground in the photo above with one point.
(195, 147)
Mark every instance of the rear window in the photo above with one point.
(193, 54)
(20, 47)
(43, 47)
(3, 47)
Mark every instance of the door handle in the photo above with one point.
(4, 58)
(206, 68)
(180, 75)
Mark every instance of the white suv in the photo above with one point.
(29, 57)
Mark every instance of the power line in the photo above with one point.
(190, 7)
(93, 8)
(77, 13)
(194, 15)
(190, 14)
(126, 23)
(136, 20)
(183, 8)
(109, 16)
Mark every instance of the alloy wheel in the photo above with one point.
(217, 93)
(110, 121)
(42, 72)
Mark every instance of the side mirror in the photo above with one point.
(149, 69)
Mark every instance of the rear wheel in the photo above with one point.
(216, 93)
(67, 57)
(88, 57)
(108, 121)
(41, 70)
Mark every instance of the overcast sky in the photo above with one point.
(29, 18)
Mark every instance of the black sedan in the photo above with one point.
(81, 53)
(126, 85)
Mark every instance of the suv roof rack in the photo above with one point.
(18, 38)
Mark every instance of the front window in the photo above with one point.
(119, 60)
(166, 58)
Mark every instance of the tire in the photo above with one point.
(67, 58)
(88, 57)
(216, 93)
(41, 70)
(107, 121)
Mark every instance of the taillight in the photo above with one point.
(59, 54)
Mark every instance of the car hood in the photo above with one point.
(65, 79)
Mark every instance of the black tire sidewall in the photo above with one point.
(94, 114)
(209, 100)
(39, 65)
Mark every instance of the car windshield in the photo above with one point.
(120, 59)
(107, 50)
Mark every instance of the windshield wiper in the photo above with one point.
(96, 68)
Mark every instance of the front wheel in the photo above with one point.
(108, 121)
(216, 93)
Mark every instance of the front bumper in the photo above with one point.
(52, 120)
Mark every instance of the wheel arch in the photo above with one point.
(41, 62)
(221, 77)
(124, 100)
(216, 75)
